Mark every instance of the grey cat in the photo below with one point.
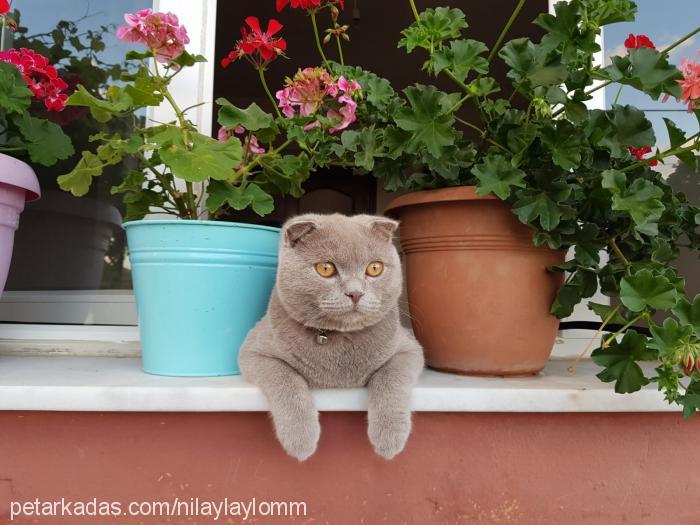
(333, 322)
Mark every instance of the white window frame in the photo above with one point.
(107, 307)
(96, 308)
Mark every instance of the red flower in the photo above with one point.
(635, 42)
(257, 46)
(640, 152)
(4, 7)
(41, 77)
(308, 5)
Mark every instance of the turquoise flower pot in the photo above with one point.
(200, 286)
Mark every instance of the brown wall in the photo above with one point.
(542, 469)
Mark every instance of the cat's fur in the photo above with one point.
(367, 346)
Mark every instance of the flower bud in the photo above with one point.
(688, 363)
(327, 38)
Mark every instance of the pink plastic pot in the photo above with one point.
(18, 184)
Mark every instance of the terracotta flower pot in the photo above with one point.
(18, 184)
(479, 291)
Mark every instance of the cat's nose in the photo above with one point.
(355, 296)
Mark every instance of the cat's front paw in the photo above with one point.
(388, 432)
(299, 437)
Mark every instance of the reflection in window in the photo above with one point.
(664, 23)
(65, 242)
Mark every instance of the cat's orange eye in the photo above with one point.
(326, 269)
(375, 268)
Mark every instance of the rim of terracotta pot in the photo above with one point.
(454, 193)
(15, 172)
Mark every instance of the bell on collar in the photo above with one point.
(322, 337)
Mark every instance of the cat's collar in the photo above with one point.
(321, 336)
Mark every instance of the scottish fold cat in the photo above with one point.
(333, 322)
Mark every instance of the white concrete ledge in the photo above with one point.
(118, 384)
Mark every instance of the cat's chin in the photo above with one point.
(347, 321)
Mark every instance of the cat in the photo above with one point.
(333, 322)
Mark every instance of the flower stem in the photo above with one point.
(619, 254)
(681, 40)
(261, 74)
(415, 11)
(617, 95)
(246, 169)
(184, 126)
(605, 322)
(607, 342)
(505, 29)
(664, 154)
(318, 40)
(340, 50)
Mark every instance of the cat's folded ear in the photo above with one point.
(296, 228)
(380, 226)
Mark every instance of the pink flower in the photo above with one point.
(4, 7)
(307, 91)
(313, 91)
(251, 147)
(160, 32)
(41, 77)
(346, 113)
(690, 84)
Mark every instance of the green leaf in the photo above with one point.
(604, 310)
(496, 175)
(645, 69)
(691, 400)
(531, 62)
(288, 173)
(140, 203)
(677, 138)
(642, 200)
(117, 103)
(614, 180)
(587, 249)
(428, 119)
(632, 127)
(462, 57)
(667, 338)
(144, 90)
(239, 197)
(583, 284)
(251, 118)
(15, 96)
(564, 143)
(533, 204)
(619, 128)
(620, 362)
(646, 289)
(206, 158)
(45, 141)
(689, 313)
(186, 59)
(80, 177)
(433, 27)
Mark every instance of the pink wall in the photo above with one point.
(458, 468)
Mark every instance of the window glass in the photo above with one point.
(664, 23)
(65, 242)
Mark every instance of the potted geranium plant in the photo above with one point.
(200, 284)
(27, 80)
(497, 202)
